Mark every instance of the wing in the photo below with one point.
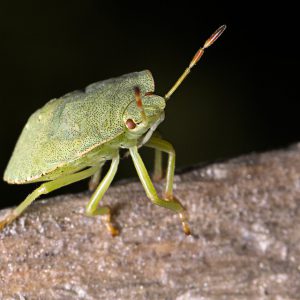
(68, 127)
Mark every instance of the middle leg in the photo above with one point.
(95, 179)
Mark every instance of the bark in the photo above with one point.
(245, 242)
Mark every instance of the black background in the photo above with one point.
(242, 97)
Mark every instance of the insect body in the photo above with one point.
(71, 137)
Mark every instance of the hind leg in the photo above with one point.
(45, 188)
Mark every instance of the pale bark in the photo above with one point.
(245, 220)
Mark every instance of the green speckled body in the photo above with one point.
(71, 137)
(82, 128)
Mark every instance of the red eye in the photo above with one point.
(130, 124)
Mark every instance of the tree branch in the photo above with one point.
(245, 220)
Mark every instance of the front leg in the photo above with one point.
(158, 159)
(170, 203)
(160, 145)
(92, 208)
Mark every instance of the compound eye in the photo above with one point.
(130, 124)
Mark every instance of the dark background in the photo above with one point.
(241, 98)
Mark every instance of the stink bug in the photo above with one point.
(70, 138)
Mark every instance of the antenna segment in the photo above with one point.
(139, 103)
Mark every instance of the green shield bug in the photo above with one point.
(71, 137)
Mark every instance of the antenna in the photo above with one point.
(139, 103)
(195, 59)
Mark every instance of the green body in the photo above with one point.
(71, 137)
(82, 129)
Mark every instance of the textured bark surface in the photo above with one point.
(245, 219)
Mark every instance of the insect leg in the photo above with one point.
(92, 208)
(172, 204)
(46, 188)
(163, 146)
(158, 171)
(95, 179)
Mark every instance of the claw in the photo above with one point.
(183, 215)
(169, 197)
(184, 221)
(109, 226)
(7, 219)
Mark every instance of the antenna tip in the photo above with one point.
(223, 27)
(214, 36)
